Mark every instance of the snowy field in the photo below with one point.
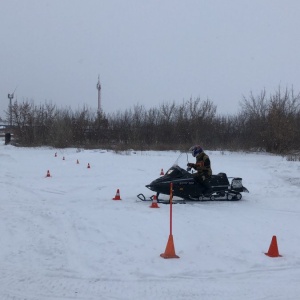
(64, 237)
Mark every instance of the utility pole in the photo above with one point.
(99, 94)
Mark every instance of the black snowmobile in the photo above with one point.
(186, 188)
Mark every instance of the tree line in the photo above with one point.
(265, 123)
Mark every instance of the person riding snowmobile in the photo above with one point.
(203, 168)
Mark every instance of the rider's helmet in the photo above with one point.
(195, 150)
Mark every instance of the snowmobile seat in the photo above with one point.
(219, 182)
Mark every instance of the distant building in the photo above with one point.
(3, 123)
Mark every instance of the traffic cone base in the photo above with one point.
(170, 249)
(117, 197)
(273, 249)
(154, 202)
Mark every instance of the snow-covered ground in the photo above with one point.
(64, 237)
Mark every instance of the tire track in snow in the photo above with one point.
(49, 286)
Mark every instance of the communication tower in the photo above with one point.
(99, 94)
(10, 97)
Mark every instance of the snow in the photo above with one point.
(64, 237)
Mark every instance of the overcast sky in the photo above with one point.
(147, 52)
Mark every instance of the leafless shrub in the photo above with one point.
(272, 123)
(264, 123)
(293, 157)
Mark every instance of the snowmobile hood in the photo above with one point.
(162, 183)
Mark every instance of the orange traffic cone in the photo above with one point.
(117, 197)
(55, 155)
(273, 249)
(154, 202)
(170, 249)
(77, 162)
(88, 166)
(162, 172)
(48, 174)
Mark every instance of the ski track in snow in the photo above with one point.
(64, 238)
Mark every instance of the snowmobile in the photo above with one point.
(188, 189)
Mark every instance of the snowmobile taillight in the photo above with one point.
(236, 184)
